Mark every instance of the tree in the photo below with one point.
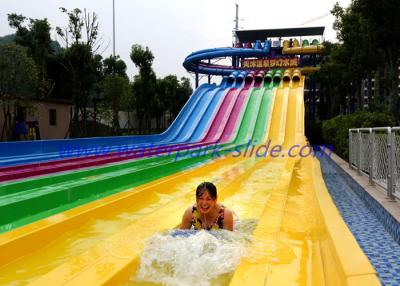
(369, 32)
(36, 38)
(359, 48)
(167, 88)
(144, 85)
(7, 39)
(115, 91)
(18, 81)
(82, 74)
(83, 67)
(79, 24)
(114, 65)
(182, 95)
(142, 57)
(171, 95)
(334, 81)
(382, 19)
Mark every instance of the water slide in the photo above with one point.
(246, 117)
(190, 126)
(205, 98)
(23, 152)
(24, 201)
(293, 234)
(199, 109)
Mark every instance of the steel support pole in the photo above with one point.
(391, 157)
(113, 28)
(392, 163)
(358, 151)
(371, 156)
(209, 76)
(350, 151)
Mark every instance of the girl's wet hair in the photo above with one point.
(206, 186)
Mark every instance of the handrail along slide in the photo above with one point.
(375, 152)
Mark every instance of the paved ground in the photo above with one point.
(380, 247)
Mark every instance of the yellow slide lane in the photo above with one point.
(90, 223)
(255, 270)
(116, 259)
(278, 118)
(303, 239)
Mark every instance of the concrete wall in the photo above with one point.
(41, 115)
(60, 129)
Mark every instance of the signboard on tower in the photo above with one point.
(278, 62)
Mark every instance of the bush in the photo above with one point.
(313, 132)
(335, 130)
(94, 129)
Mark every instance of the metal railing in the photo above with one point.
(375, 152)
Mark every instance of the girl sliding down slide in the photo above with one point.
(206, 213)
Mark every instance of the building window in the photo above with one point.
(52, 117)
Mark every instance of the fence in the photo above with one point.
(375, 152)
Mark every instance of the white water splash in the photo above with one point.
(191, 258)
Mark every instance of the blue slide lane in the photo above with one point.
(16, 153)
(48, 146)
(200, 131)
(208, 101)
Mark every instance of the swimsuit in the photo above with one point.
(197, 223)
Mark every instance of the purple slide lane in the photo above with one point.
(231, 127)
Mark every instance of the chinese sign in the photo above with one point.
(291, 62)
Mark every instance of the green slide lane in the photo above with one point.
(25, 201)
(264, 112)
(254, 122)
(248, 122)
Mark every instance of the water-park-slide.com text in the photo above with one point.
(182, 151)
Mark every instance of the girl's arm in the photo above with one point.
(187, 219)
(228, 219)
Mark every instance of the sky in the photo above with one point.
(172, 29)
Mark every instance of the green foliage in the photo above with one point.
(114, 65)
(369, 33)
(383, 20)
(97, 129)
(154, 97)
(335, 130)
(167, 92)
(82, 66)
(313, 131)
(36, 38)
(171, 95)
(142, 57)
(144, 85)
(182, 95)
(18, 81)
(77, 72)
(55, 46)
(79, 25)
(7, 39)
(333, 79)
(82, 75)
(18, 74)
(115, 91)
